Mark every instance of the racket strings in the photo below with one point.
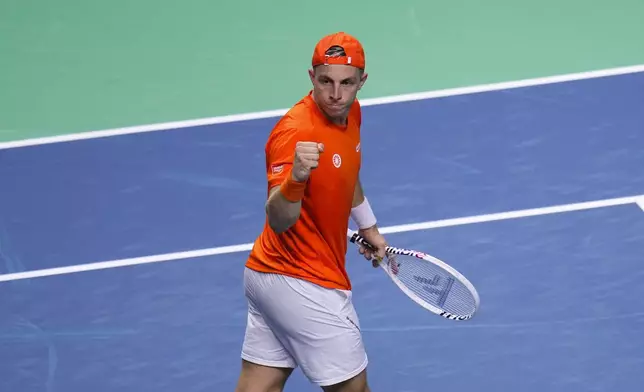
(433, 285)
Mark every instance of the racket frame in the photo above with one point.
(358, 239)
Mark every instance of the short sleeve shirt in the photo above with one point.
(314, 248)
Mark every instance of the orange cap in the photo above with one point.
(352, 48)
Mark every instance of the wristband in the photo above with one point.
(292, 190)
(363, 215)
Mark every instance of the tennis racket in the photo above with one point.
(428, 281)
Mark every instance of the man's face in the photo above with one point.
(335, 87)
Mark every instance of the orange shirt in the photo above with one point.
(314, 248)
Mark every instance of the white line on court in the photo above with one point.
(385, 230)
(365, 102)
(640, 202)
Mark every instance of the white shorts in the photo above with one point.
(292, 322)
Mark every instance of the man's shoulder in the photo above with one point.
(299, 115)
(298, 119)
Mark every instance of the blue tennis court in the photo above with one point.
(561, 296)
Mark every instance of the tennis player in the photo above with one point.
(300, 310)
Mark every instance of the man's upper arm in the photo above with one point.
(280, 151)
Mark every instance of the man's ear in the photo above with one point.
(363, 80)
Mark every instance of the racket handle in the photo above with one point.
(357, 238)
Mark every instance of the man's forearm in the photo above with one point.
(281, 213)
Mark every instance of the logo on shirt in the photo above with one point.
(358, 147)
(277, 169)
(337, 160)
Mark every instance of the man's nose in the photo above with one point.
(336, 94)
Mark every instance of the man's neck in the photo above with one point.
(342, 121)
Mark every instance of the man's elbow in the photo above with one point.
(280, 225)
(280, 221)
(277, 227)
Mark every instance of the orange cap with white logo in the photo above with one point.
(353, 51)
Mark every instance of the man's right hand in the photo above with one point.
(307, 156)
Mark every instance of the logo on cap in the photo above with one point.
(339, 48)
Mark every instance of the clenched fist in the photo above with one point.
(307, 156)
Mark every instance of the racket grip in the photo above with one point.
(357, 238)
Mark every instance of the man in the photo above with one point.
(300, 311)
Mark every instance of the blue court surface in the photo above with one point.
(562, 299)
